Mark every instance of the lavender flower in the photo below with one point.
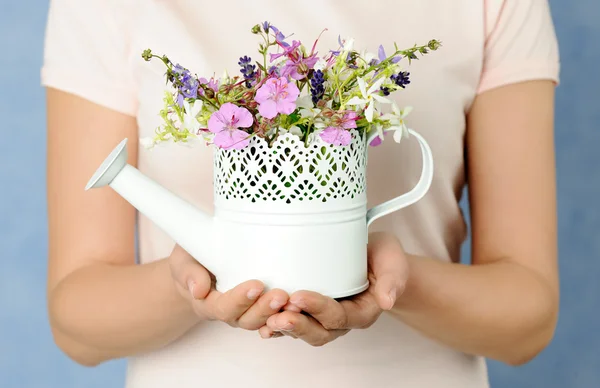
(317, 89)
(247, 70)
(401, 79)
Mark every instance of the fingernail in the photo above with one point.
(191, 284)
(276, 304)
(254, 293)
(392, 297)
(287, 327)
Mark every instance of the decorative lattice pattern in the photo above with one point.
(290, 172)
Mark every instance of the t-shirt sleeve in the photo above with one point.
(520, 43)
(86, 52)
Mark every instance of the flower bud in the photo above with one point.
(147, 54)
(328, 113)
(434, 44)
(256, 29)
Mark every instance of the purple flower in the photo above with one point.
(298, 68)
(288, 51)
(316, 86)
(187, 85)
(247, 70)
(274, 71)
(279, 37)
(212, 84)
(225, 124)
(277, 95)
(383, 56)
(401, 79)
(376, 141)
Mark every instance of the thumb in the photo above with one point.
(389, 268)
(191, 277)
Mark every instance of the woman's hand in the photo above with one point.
(329, 319)
(244, 306)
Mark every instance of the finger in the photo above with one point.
(266, 332)
(389, 268)
(361, 311)
(267, 305)
(303, 327)
(327, 311)
(229, 306)
(190, 276)
(292, 307)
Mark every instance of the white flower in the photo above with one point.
(207, 136)
(147, 142)
(225, 77)
(306, 106)
(378, 129)
(190, 120)
(294, 130)
(321, 64)
(369, 97)
(396, 120)
(348, 44)
(367, 57)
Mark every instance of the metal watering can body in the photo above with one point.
(300, 236)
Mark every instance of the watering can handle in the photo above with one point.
(416, 193)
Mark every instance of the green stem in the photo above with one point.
(264, 53)
(208, 101)
(409, 53)
(307, 133)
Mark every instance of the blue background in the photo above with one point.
(28, 356)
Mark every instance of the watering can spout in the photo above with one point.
(183, 222)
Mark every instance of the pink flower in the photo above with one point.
(288, 51)
(214, 85)
(225, 122)
(376, 142)
(349, 119)
(277, 96)
(298, 68)
(336, 136)
(338, 133)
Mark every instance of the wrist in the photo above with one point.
(407, 291)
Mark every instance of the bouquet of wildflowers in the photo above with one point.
(289, 90)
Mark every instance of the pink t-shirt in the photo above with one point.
(93, 50)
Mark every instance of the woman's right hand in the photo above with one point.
(245, 306)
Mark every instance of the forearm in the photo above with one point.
(500, 310)
(102, 311)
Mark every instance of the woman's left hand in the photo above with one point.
(327, 319)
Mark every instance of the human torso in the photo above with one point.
(209, 37)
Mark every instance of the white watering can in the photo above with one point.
(292, 217)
